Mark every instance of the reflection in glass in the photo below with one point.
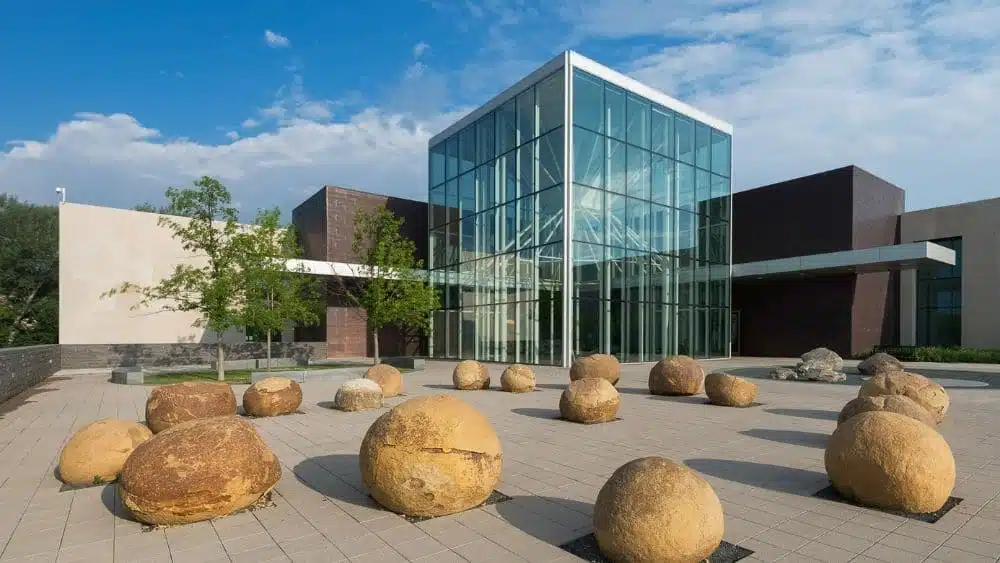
(550, 159)
(684, 128)
(617, 172)
(467, 194)
(638, 122)
(662, 132)
(526, 222)
(526, 116)
(437, 164)
(526, 172)
(615, 112)
(588, 158)
(486, 185)
(638, 172)
(703, 146)
(638, 224)
(660, 229)
(686, 191)
(662, 173)
(508, 174)
(588, 214)
(451, 160)
(550, 102)
(720, 153)
(550, 215)
(506, 126)
(588, 102)
(467, 149)
(617, 219)
(486, 139)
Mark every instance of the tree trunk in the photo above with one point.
(269, 350)
(375, 339)
(220, 358)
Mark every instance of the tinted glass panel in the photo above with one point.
(615, 112)
(685, 139)
(638, 122)
(550, 103)
(550, 159)
(437, 164)
(467, 150)
(588, 102)
(527, 168)
(451, 170)
(662, 173)
(550, 206)
(638, 172)
(703, 146)
(662, 130)
(486, 139)
(588, 214)
(506, 126)
(617, 171)
(721, 153)
(686, 192)
(588, 158)
(526, 116)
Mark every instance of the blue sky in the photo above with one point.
(115, 101)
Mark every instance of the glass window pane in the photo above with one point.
(527, 337)
(615, 224)
(550, 159)
(662, 131)
(526, 274)
(526, 222)
(662, 172)
(660, 229)
(718, 243)
(508, 175)
(721, 153)
(703, 250)
(617, 324)
(687, 226)
(508, 227)
(467, 149)
(437, 198)
(590, 322)
(439, 330)
(686, 192)
(550, 102)
(452, 244)
(684, 139)
(638, 275)
(452, 300)
(451, 199)
(506, 277)
(526, 116)
(718, 331)
(703, 190)
(661, 278)
(588, 270)
(588, 101)
(588, 214)
(703, 146)
(638, 121)
(469, 333)
(719, 286)
(487, 224)
(638, 172)
(550, 215)
(614, 104)
(526, 169)
(506, 126)
(468, 226)
(617, 284)
(720, 197)
(437, 249)
(550, 328)
(617, 171)
(467, 283)
(486, 186)
(588, 158)
(485, 277)
(486, 134)
(451, 169)
(638, 224)
(467, 194)
(550, 270)
(635, 335)
(437, 164)
(701, 273)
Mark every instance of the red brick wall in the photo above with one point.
(346, 332)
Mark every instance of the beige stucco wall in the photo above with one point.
(101, 247)
(978, 223)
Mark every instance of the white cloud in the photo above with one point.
(249, 123)
(233, 135)
(420, 48)
(276, 40)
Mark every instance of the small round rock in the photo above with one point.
(929, 394)
(589, 401)
(730, 391)
(173, 404)
(676, 375)
(880, 362)
(272, 396)
(96, 453)
(388, 378)
(599, 366)
(358, 395)
(900, 404)
(470, 375)
(517, 378)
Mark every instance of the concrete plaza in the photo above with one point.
(765, 463)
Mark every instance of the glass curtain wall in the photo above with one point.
(496, 232)
(650, 229)
(939, 300)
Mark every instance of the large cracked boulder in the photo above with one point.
(517, 379)
(653, 510)
(388, 378)
(890, 461)
(879, 362)
(96, 453)
(730, 391)
(899, 404)
(358, 395)
(431, 456)
(600, 366)
(470, 375)
(180, 402)
(676, 375)
(272, 396)
(821, 364)
(198, 470)
(589, 401)
(924, 391)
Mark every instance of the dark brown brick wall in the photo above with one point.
(309, 219)
(342, 204)
(94, 356)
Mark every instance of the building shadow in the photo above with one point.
(552, 520)
(24, 397)
(689, 399)
(554, 386)
(440, 386)
(548, 414)
(815, 414)
(791, 437)
(336, 476)
(802, 482)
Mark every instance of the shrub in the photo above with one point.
(939, 354)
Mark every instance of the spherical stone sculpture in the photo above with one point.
(517, 379)
(653, 510)
(730, 391)
(358, 395)
(927, 393)
(388, 378)
(890, 461)
(676, 375)
(470, 375)
(180, 402)
(198, 470)
(589, 401)
(879, 362)
(431, 456)
(96, 453)
(601, 366)
(900, 404)
(272, 396)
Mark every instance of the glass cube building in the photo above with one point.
(580, 211)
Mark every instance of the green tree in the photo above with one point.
(29, 273)
(162, 210)
(213, 287)
(392, 292)
(275, 293)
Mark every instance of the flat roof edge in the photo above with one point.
(892, 255)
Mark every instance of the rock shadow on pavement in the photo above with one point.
(802, 482)
(336, 476)
(790, 437)
(553, 520)
(815, 414)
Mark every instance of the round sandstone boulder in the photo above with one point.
(96, 453)
(470, 375)
(653, 510)
(517, 379)
(589, 401)
(890, 461)
(431, 456)
(880, 362)
(676, 375)
(899, 404)
(599, 366)
(180, 402)
(927, 393)
(272, 396)
(730, 391)
(388, 378)
(198, 470)
(358, 395)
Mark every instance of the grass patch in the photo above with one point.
(233, 376)
(941, 354)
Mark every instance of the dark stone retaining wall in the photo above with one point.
(94, 356)
(23, 368)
